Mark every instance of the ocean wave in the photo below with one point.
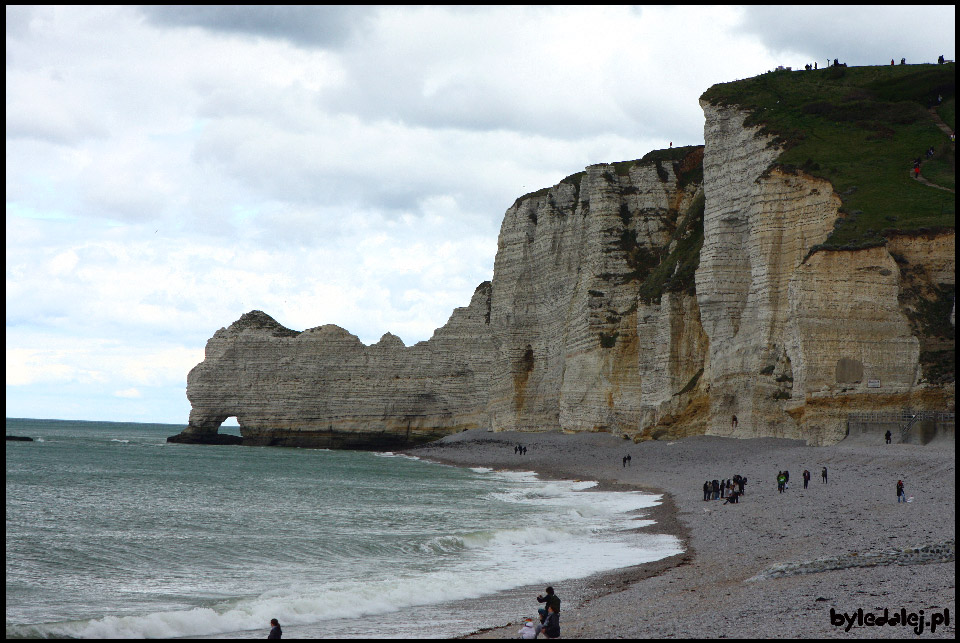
(370, 597)
(391, 454)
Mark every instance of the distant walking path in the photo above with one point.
(945, 128)
(936, 119)
(920, 179)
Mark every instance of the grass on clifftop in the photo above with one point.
(860, 128)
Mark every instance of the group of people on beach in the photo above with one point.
(731, 489)
(783, 479)
(549, 623)
(520, 449)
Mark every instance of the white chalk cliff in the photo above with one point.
(594, 321)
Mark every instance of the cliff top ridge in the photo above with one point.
(688, 162)
(861, 128)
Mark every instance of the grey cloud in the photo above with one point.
(857, 35)
(318, 26)
(18, 20)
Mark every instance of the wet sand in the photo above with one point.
(710, 591)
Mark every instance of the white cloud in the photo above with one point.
(129, 393)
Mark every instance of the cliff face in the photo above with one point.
(564, 313)
(636, 298)
(798, 339)
(323, 388)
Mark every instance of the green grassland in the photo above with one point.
(860, 128)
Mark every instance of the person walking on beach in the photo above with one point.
(786, 479)
(624, 461)
(806, 478)
(901, 496)
(275, 631)
(888, 436)
(628, 460)
(551, 625)
(706, 490)
(781, 481)
(824, 474)
(716, 489)
(551, 600)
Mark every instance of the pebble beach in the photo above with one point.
(772, 565)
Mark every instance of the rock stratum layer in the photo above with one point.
(654, 298)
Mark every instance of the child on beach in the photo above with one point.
(529, 630)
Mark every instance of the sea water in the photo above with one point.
(114, 533)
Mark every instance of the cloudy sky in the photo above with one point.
(169, 169)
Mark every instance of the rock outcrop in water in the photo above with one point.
(653, 298)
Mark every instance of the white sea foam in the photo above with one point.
(391, 454)
(542, 553)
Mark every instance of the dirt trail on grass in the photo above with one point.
(945, 128)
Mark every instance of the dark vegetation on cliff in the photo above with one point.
(861, 129)
(675, 273)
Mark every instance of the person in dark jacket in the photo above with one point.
(551, 626)
(551, 600)
(275, 631)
